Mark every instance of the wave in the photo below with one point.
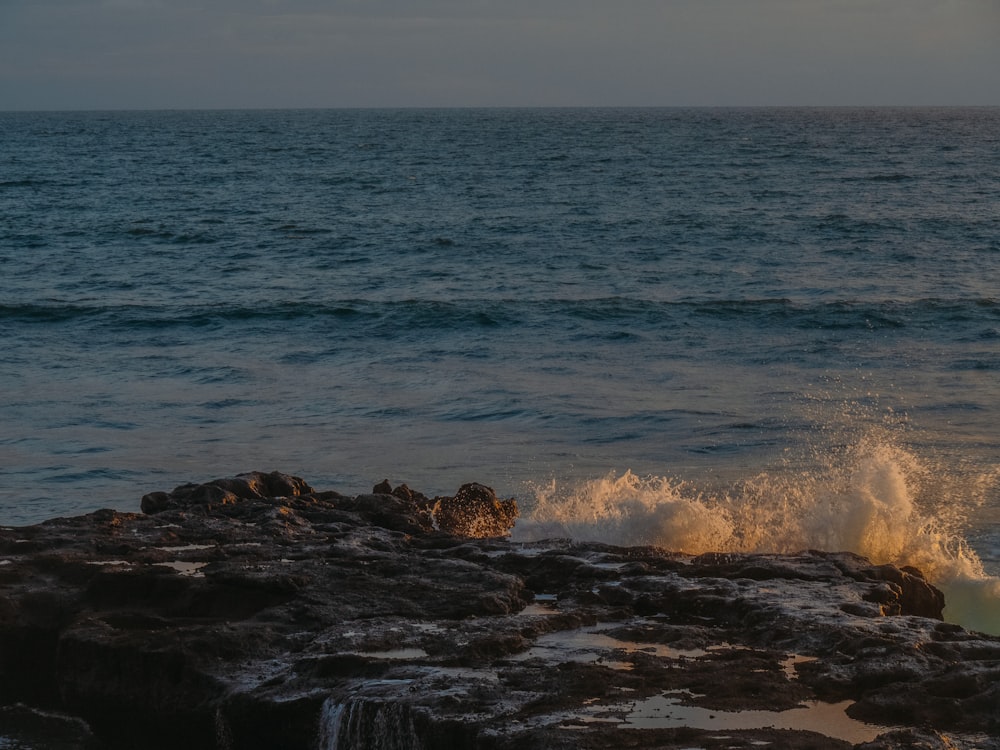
(873, 498)
(487, 311)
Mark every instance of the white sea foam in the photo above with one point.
(873, 497)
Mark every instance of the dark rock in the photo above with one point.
(475, 511)
(255, 612)
(23, 727)
(909, 739)
(255, 485)
(154, 502)
(916, 596)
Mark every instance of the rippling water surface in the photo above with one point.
(748, 309)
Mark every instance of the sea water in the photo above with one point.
(752, 329)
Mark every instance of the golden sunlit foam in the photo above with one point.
(872, 497)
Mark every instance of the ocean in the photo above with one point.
(752, 329)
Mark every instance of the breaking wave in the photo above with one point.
(873, 498)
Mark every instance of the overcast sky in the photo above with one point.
(112, 54)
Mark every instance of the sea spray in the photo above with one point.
(629, 510)
(873, 497)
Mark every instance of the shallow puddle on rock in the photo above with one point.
(788, 664)
(532, 610)
(536, 609)
(608, 565)
(666, 712)
(395, 653)
(192, 569)
(588, 645)
(542, 604)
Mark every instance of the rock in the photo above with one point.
(255, 612)
(23, 728)
(907, 591)
(909, 739)
(154, 502)
(475, 511)
(254, 485)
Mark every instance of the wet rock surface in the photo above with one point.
(257, 612)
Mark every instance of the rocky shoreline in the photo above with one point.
(255, 612)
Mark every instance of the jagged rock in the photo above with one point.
(253, 485)
(255, 612)
(475, 511)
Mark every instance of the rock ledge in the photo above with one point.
(255, 612)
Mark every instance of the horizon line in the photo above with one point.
(429, 107)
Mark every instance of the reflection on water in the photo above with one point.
(392, 654)
(666, 711)
(589, 645)
(829, 719)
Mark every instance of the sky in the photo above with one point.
(181, 54)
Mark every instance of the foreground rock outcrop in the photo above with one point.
(255, 612)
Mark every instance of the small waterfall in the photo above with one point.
(329, 724)
(223, 734)
(366, 725)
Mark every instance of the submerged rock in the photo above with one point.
(256, 612)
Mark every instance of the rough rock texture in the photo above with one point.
(475, 511)
(255, 612)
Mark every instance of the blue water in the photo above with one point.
(715, 299)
